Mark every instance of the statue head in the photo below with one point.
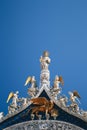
(45, 54)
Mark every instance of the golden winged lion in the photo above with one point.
(41, 105)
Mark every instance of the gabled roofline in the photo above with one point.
(46, 89)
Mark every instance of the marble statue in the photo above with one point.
(32, 90)
(56, 90)
(45, 60)
(74, 98)
(13, 106)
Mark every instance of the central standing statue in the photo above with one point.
(45, 74)
(45, 60)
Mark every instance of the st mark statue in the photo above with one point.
(45, 106)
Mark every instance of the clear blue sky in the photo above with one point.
(27, 28)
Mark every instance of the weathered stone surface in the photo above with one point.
(44, 125)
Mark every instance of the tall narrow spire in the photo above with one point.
(45, 73)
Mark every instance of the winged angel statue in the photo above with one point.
(74, 98)
(32, 91)
(56, 90)
(13, 106)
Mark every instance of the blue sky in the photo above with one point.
(29, 27)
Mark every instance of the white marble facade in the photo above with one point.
(44, 125)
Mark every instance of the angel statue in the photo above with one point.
(32, 91)
(56, 90)
(13, 107)
(74, 98)
(45, 60)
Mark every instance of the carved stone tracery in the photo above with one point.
(44, 125)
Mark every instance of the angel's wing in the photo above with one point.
(39, 101)
(78, 100)
(75, 93)
(70, 93)
(28, 81)
(61, 80)
(10, 96)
